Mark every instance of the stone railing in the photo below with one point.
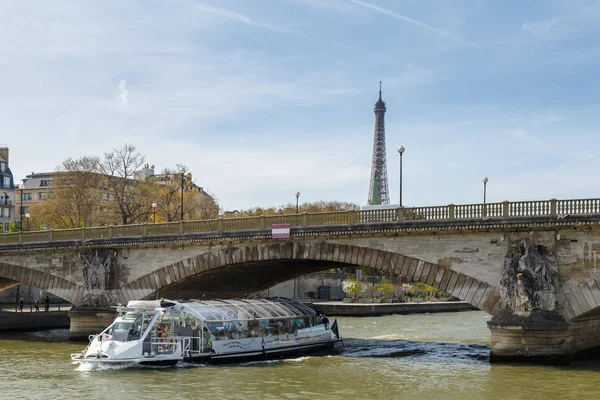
(506, 209)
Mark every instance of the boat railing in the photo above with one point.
(169, 345)
(163, 345)
(193, 345)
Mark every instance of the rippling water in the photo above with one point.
(424, 356)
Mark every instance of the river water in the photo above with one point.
(421, 356)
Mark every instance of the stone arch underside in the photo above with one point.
(581, 302)
(60, 287)
(277, 262)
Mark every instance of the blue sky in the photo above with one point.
(263, 98)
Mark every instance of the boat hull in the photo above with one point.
(216, 359)
(268, 354)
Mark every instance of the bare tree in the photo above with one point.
(132, 198)
(76, 197)
(197, 204)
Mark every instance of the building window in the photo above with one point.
(43, 195)
(24, 210)
(104, 196)
(7, 181)
(2, 166)
(25, 196)
(50, 195)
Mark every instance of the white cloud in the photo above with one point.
(415, 22)
(222, 12)
(542, 29)
(123, 95)
(546, 119)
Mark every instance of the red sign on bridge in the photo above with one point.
(280, 231)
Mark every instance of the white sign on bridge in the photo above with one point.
(280, 231)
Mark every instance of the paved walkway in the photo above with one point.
(28, 309)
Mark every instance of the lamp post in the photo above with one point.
(485, 181)
(154, 205)
(401, 151)
(182, 185)
(27, 216)
(297, 196)
(21, 213)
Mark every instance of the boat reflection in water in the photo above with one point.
(164, 332)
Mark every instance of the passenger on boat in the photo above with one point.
(325, 321)
(133, 334)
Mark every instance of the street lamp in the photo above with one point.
(154, 205)
(485, 181)
(21, 213)
(182, 185)
(401, 151)
(297, 195)
(27, 215)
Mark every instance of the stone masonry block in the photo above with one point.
(425, 272)
(432, 274)
(595, 290)
(587, 294)
(583, 304)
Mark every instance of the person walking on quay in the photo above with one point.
(21, 304)
(37, 305)
(47, 302)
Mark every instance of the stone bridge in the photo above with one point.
(533, 266)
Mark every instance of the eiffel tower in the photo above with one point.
(378, 188)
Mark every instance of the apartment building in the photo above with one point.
(34, 188)
(186, 180)
(7, 191)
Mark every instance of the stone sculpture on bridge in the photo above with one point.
(98, 276)
(528, 279)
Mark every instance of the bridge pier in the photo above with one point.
(542, 337)
(87, 321)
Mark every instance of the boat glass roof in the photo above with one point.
(227, 310)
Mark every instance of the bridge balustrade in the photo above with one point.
(35, 236)
(583, 206)
(431, 213)
(529, 208)
(97, 232)
(504, 210)
(66, 234)
(167, 228)
(328, 218)
(292, 219)
(231, 224)
(382, 215)
(210, 225)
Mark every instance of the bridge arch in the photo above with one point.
(60, 287)
(281, 261)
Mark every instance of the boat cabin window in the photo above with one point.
(130, 326)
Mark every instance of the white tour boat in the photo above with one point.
(167, 331)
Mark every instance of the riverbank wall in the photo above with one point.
(33, 321)
(339, 308)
